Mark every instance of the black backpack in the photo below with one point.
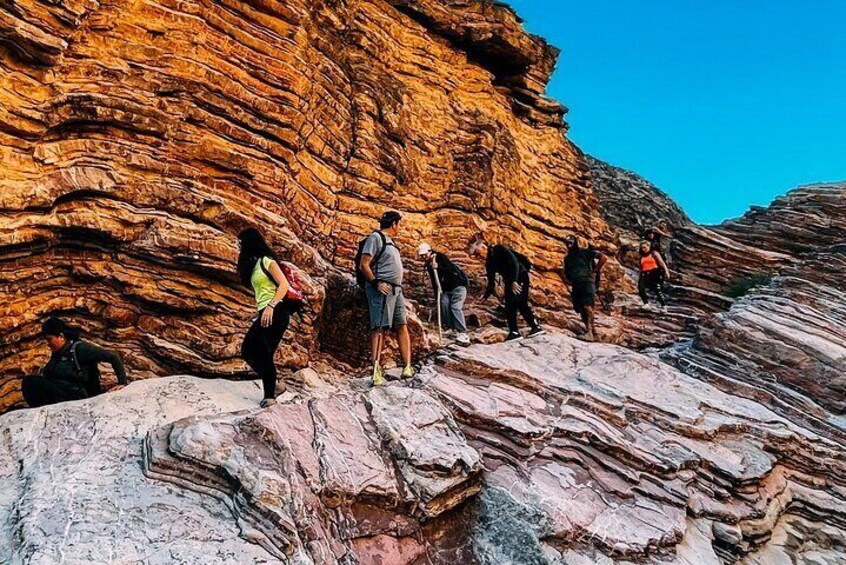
(359, 275)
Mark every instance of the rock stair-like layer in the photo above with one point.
(784, 344)
(72, 489)
(610, 452)
(317, 480)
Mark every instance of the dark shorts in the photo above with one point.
(386, 312)
(583, 294)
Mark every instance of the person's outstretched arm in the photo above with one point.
(513, 268)
(601, 259)
(90, 353)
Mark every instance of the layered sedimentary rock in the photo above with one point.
(347, 478)
(630, 203)
(585, 453)
(784, 343)
(597, 454)
(714, 265)
(136, 140)
(765, 240)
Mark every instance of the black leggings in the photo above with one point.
(651, 280)
(260, 345)
(41, 391)
(518, 303)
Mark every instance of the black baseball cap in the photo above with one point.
(54, 327)
(390, 217)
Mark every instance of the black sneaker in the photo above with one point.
(537, 330)
(513, 336)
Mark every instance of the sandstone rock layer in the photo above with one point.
(136, 139)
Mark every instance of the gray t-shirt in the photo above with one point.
(389, 267)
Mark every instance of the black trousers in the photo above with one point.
(259, 347)
(41, 391)
(651, 280)
(518, 303)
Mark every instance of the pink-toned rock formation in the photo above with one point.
(543, 451)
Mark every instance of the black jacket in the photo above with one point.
(450, 274)
(62, 367)
(502, 261)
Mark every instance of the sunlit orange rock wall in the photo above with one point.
(137, 138)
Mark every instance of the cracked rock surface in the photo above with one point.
(543, 451)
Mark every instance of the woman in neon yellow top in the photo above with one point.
(259, 270)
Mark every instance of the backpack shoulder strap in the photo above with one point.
(381, 249)
(266, 271)
(76, 364)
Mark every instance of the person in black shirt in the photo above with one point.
(72, 373)
(581, 272)
(505, 262)
(452, 281)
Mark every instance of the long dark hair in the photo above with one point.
(253, 248)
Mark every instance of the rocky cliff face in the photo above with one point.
(136, 139)
(630, 203)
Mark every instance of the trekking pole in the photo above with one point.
(439, 293)
(381, 341)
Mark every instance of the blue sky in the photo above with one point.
(721, 103)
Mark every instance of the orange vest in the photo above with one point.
(648, 262)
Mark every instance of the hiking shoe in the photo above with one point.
(408, 372)
(462, 339)
(267, 403)
(537, 330)
(587, 336)
(378, 376)
(513, 336)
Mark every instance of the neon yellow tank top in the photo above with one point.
(263, 285)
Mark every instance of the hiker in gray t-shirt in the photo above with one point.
(381, 265)
(388, 268)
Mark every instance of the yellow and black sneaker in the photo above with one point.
(378, 376)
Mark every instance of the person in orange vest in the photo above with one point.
(653, 271)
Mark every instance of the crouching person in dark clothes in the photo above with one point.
(73, 371)
(449, 283)
(581, 272)
(514, 270)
